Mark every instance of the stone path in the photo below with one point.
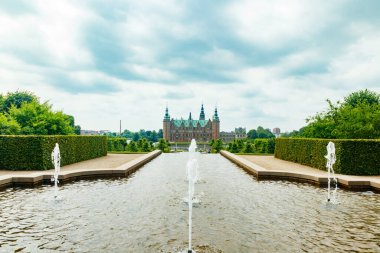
(110, 165)
(269, 167)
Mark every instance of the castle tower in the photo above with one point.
(202, 115)
(215, 125)
(166, 125)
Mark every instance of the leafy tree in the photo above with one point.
(132, 147)
(259, 133)
(17, 99)
(35, 118)
(358, 117)
(248, 148)
(252, 134)
(217, 146)
(234, 148)
(362, 97)
(8, 126)
(163, 146)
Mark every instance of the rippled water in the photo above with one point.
(146, 213)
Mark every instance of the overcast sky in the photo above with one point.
(269, 63)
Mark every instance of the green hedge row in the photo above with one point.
(29, 152)
(116, 144)
(353, 157)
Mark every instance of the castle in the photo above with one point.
(202, 130)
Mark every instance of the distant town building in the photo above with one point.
(94, 132)
(239, 133)
(276, 131)
(181, 130)
(227, 137)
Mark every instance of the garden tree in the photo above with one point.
(160, 134)
(127, 134)
(163, 145)
(252, 134)
(217, 146)
(35, 118)
(362, 97)
(234, 148)
(17, 99)
(31, 116)
(8, 126)
(357, 117)
(259, 133)
(248, 148)
(135, 137)
(77, 128)
(1, 103)
(132, 147)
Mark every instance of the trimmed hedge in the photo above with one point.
(116, 144)
(29, 152)
(353, 157)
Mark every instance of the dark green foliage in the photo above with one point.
(354, 157)
(16, 99)
(132, 147)
(259, 145)
(22, 113)
(260, 133)
(163, 145)
(116, 144)
(151, 136)
(216, 146)
(357, 117)
(34, 152)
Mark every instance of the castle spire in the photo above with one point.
(202, 115)
(167, 116)
(190, 117)
(216, 116)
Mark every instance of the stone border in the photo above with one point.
(261, 173)
(39, 178)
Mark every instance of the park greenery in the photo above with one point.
(356, 117)
(22, 113)
(248, 146)
(259, 133)
(152, 136)
(130, 146)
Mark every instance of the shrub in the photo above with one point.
(34, 152)
(354, 157)
(117, 144)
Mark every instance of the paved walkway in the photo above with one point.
(270, 167)
(109, 161)
(110, 165)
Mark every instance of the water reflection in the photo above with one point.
(146, 213)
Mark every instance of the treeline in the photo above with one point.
(356, 117)
(122, 144)
(263, 146)
(21, 112)
(260, 133)
(152, 136)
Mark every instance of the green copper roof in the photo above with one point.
(186, 123)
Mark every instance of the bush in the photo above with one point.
(117, 144)
(259, 145)
(354, 157)
(34, 152)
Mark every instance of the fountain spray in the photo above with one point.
(56, 160)
(331, 158)
(192, 177)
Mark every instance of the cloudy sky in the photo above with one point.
(269, 63)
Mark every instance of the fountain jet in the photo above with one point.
(192, 177)
(331, 158)
(56, 160)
